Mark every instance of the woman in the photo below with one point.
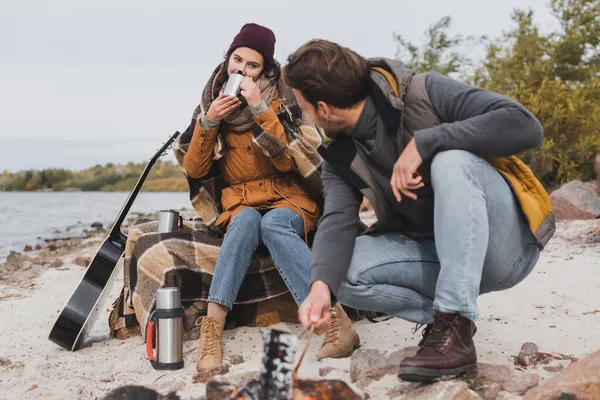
(264, 202)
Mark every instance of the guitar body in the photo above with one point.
(79, 315)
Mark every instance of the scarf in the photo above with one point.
(240, 120)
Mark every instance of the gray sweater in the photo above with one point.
(475, 120)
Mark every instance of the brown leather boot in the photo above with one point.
(340, 339)
(447, 350)
(210, 352)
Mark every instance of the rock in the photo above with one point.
(126, 333)
(135, 392)
(96, 225)
(237, 359)
(367, 365)
(38, 247)
(554, 368)
(521, 383)
(510, 380)
(564, 210)
(325, 371)
(14, 258)
(492, 391)
(577, 200)
(527, 354)
(4, 362)
(445, 390)
(581, 379)
(172, 386)
(27, 248)
(218, 390)
(592, 237)
(56, 263)
(82, 261)
(494, 373)
(597, 166)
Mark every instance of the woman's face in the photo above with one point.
(247, 60)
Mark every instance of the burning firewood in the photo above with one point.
(278, 376)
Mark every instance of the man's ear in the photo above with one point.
(323, 110)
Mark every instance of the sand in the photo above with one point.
(554, 307)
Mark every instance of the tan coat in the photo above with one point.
(257, 180)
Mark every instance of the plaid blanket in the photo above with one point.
(186, 259)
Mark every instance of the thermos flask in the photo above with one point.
(165, 330)
(169, 221)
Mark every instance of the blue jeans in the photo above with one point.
(482, 244)
(282, 231)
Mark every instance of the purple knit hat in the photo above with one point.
(256, 37)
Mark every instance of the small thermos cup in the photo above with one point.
(164, 331)
(232, 88)
(169, 221)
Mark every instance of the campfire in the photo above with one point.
(278, 377)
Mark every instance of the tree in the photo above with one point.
(555, 75)
(440, 52)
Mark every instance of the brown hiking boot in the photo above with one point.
(447, 351)
(210, 352)
(340, 339)
(424, 333)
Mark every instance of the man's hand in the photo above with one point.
(222, 107)
(315, 308)
(250, 91)
(403, 179)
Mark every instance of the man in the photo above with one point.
(458, 214)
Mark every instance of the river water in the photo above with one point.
(26, 218)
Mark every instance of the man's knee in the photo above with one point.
(450, 168)
(348, 293)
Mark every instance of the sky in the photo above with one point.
(97, 81)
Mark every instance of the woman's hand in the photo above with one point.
(250, 91)
(222, 107)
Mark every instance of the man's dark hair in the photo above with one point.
(325, 71)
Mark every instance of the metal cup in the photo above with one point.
(169, 221)
(232, 88)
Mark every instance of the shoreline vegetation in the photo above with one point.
(165, 176)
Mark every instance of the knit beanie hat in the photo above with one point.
(256, 37)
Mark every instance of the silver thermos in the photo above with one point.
(169, 221)
(165, 330)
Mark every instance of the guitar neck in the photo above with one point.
(116, 227)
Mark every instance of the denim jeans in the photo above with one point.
(281, 230)
(482, 244)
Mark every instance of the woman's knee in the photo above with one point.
(247, 219)
(278, 222)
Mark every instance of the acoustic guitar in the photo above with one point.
(80, 313)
